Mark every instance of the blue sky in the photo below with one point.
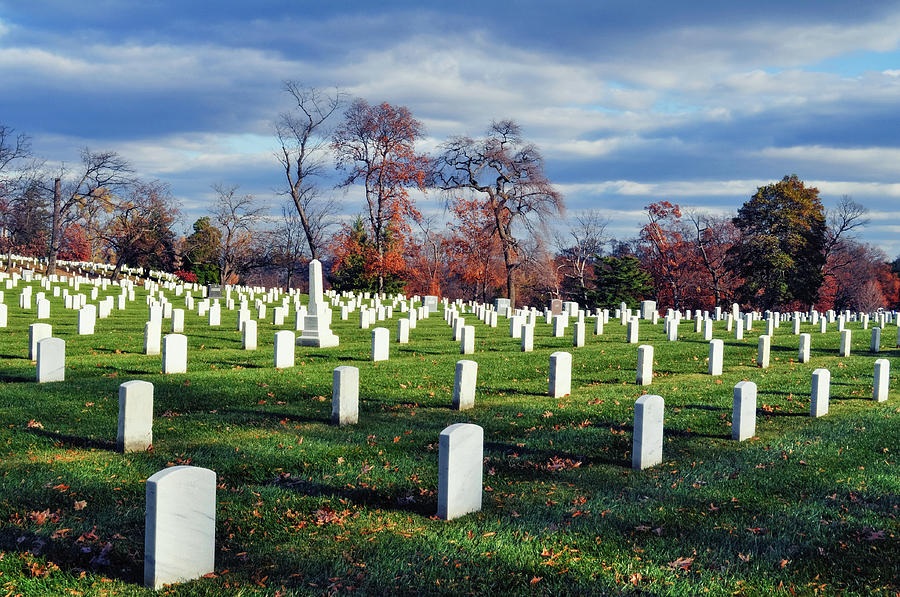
(697, 103)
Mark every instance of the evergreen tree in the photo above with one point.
(617, 280)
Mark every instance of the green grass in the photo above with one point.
(303, 507)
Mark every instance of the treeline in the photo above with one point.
(503, 232)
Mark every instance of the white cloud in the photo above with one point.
(861, 161)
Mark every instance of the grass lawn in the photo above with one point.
(303, 507)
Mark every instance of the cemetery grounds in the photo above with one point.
(808, 506)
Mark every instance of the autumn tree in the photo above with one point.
(666, 253)
(99, 175)
(375, 146)
(711, 238)
(428, 260)
(303, 135)
(236, 216)
(356, 262)
(476, 258)
(507, 174)
(201, 249)
(138, 231)
(780, 252)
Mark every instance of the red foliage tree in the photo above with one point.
(375, 145)
(75, 245)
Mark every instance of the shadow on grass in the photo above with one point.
(705, 407)
(512, 391)
(15, 378)
(545, 455)
(280, 416)
(74, 440)
(762, 413)
(73, 554)
(424, 505)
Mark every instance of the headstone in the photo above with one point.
(846, 340)
(821, 391)
(739, 329)
(215, 314)
(135, 416)
(285, 349)
(875, 344)
(716, 356)
(87, 319)
(316, 325)
(672, 330)
(578, 334)
(647, 441)
(178, 321)
(598, 326)
(882, 380)
(345, 395)
(460, 470)
(556, 307)
(647, 309)
(560, 374)
(645, 365)
(707, 329)
(36, 333)
(632, 330)
(249, 335)
(559, 325)
(51, 360)
(743, 413)
(763, 351)
(527, 338)
(152, 338)
(464, 385)
(174, 353)
(213, 291)
(180, 525)
(467, 342)
(805, 341)
(381, 338)
(403, 331)
(43, 309)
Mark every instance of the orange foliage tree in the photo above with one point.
(507, 175)
(475, 251)
(375, 146)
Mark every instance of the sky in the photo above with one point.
(697, 103)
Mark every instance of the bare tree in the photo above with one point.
(289, 245)
(508, 174)
(583, 244)
(304, 137)
(13, 148)
(100, 173)
(843, 221)
(236, 217)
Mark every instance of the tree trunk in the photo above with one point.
(55, 231)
